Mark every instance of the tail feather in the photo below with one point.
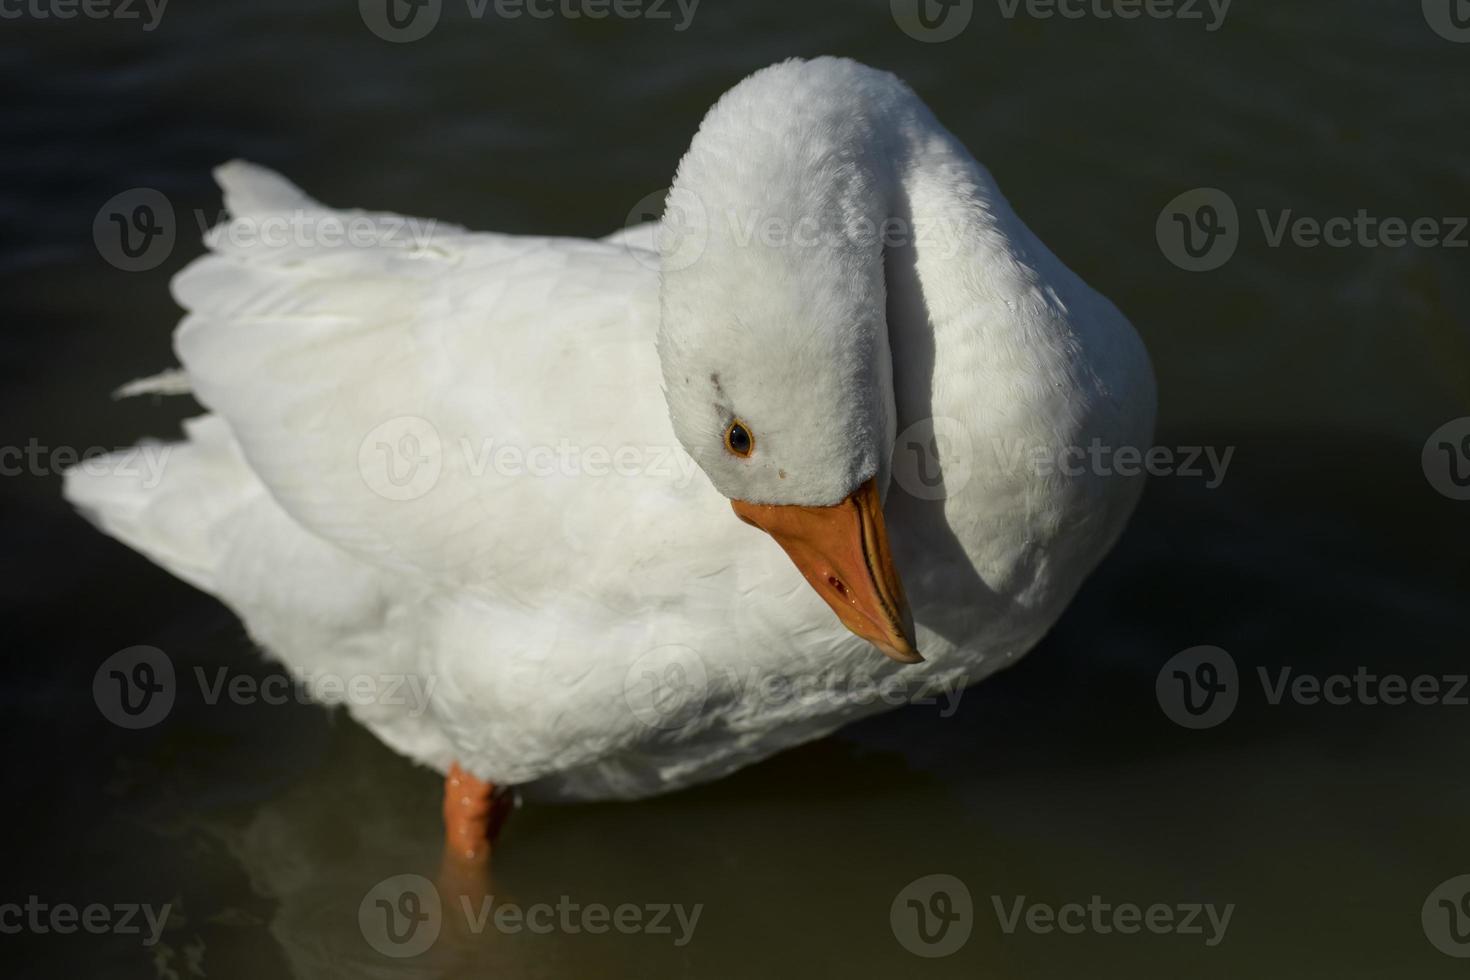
(174, 381)
(250, 189)
(166, 500)
(283, 270)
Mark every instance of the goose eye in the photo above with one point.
(739, 440)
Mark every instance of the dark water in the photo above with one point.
(1326, 549)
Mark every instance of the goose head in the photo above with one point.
(795, 426)
(774, 346)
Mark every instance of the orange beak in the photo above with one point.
(843, 552)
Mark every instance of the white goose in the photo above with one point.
(451, 461)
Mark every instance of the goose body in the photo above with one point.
(492, 464)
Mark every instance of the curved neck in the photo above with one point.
(930, 327)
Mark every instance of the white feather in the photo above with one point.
(538, 606)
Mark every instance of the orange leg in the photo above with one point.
(474, 812)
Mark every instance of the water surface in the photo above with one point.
(1325, 550)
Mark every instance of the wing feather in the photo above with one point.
(370, 380)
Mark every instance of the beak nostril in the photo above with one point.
(836, 583)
